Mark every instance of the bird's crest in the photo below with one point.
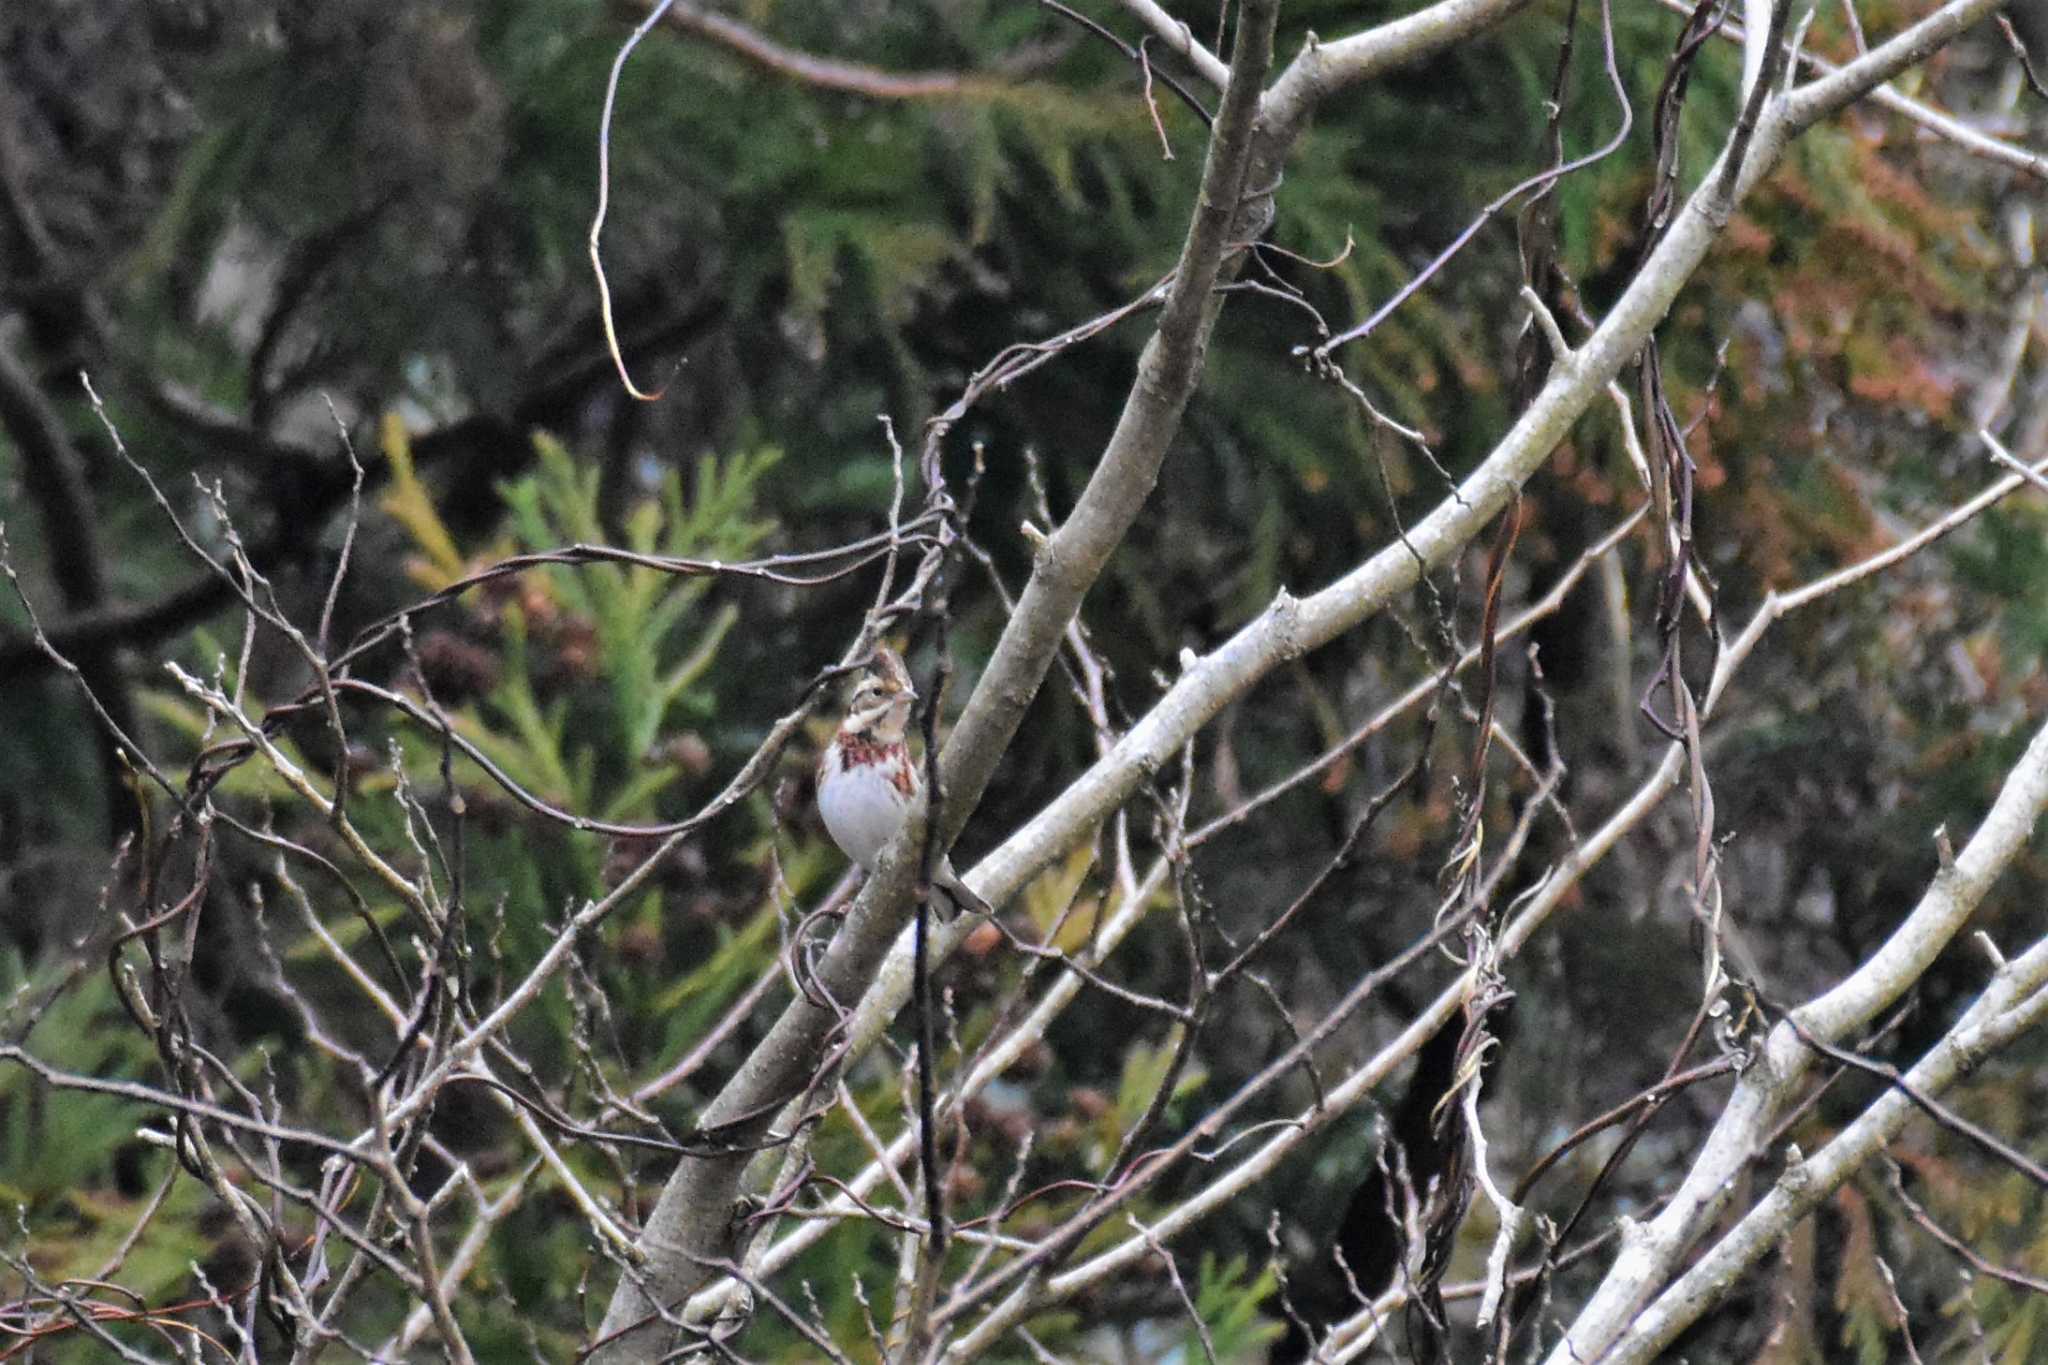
(888, 668)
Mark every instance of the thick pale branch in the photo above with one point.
(691, 1225)
(1326, 68)
(1836, 91)
(1291, 626)
(1178, 38)
(1169, 367)
(1650, 1251)
(1938, 123)
(2016, 1001)
(1552, 893)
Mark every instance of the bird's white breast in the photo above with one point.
(861, 806)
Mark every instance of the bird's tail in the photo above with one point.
(956, 895)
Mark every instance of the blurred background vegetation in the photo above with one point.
(257, 224)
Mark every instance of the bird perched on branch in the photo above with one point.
(867, 779)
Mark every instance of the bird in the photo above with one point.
(867, 779)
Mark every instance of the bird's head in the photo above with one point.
(880, 706)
